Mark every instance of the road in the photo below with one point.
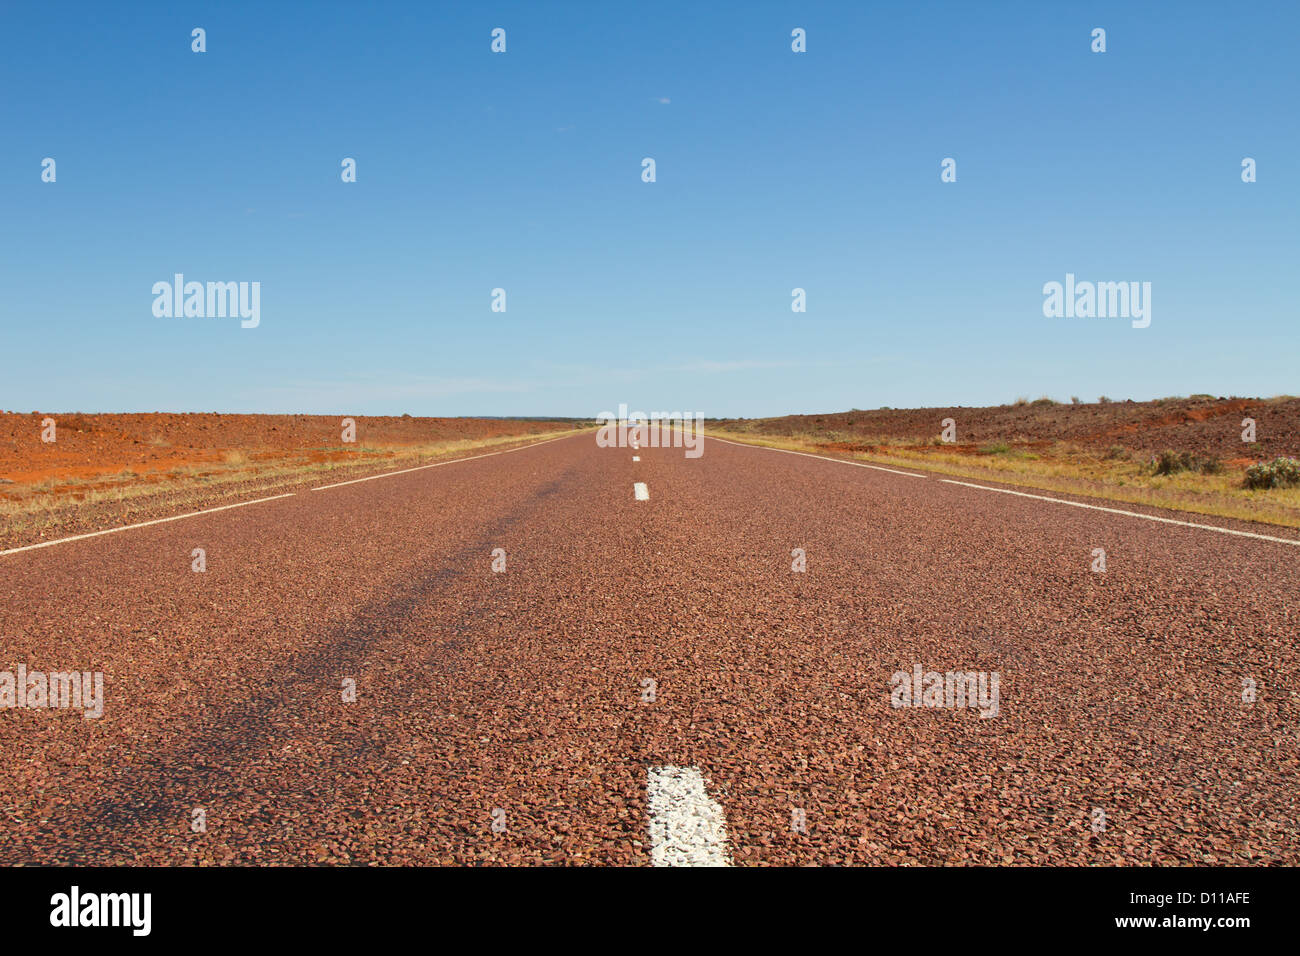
(649, 681)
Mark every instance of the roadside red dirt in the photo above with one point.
(151, 446)
(1210, 427)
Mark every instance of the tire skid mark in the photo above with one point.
(162, 791)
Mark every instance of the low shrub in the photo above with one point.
(1278, 473)
(1172, 462)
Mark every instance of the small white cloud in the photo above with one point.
(664, 100)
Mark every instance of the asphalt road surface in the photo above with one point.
(649, 680)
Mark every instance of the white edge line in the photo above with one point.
(1131, 514)
(1023, 494)
(840, 461)
(145, 524)
(257, 501)
(438, 464)
(1039, 497)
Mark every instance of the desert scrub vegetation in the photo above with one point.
(1278, 473)
(1172, 462)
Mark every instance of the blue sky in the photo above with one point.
(522, 171)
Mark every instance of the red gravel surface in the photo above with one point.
(521, 691)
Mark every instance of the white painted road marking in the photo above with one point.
(641, 491)
(438, 464)
(1131, 514)
(687, 827)
(241, 504)
(636, 457)
(1022, 494)
(838, 461)
(144, 524)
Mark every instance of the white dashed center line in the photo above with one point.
(641, 491)
(636, 457)
(687, 827)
